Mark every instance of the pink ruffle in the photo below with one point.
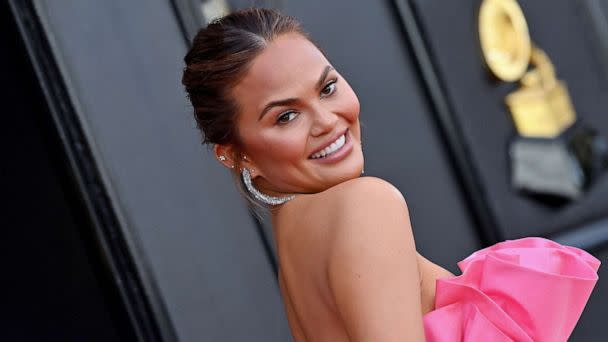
(530, 289)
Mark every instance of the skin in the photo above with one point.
(348, 265)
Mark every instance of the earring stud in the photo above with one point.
(222, 158)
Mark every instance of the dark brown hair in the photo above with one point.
(219, 58)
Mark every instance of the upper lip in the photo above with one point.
(329, 141)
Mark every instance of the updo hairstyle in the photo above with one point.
(219, 58)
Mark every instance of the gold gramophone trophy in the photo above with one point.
(553, 155)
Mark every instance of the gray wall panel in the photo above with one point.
(187, 225)
(592, 324)
(477, 104)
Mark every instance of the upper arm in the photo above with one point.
(372, 269)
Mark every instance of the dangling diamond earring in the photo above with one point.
(271, 200)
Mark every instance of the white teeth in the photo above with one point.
(336, 145)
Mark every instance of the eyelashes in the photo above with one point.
(330, 83)
(285, 115)
(290, 115)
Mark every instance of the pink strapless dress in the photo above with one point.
(530, 289)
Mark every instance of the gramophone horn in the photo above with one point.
(505, 40)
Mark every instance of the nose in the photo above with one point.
(324, 122)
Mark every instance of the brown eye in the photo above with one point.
(329, 88)
(286, 117)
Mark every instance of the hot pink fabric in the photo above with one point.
(530, 289)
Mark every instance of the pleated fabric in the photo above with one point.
(524, 290)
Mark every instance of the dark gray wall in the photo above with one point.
(54, 283)
(193, 240)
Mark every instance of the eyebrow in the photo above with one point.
(293, 100)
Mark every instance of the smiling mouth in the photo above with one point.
(331, 149)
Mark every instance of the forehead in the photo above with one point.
(288, 63)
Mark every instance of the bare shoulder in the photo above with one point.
(364, 199)
(362, 193)
(364, 204)
(364, 186)
(357, 196)
(358, 236)
(372, 264)
(367, 209)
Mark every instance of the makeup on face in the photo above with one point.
(299, 120)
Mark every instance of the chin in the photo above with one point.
(343, 175)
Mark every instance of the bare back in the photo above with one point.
(306, 236)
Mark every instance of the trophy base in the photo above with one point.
(559, 169)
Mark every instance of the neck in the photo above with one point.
(266, 188)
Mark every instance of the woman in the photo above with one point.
(286, 123)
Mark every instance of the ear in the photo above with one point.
(232, 158)
(225, 155)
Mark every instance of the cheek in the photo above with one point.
(283, 146)
(350, 108)
(350, 104)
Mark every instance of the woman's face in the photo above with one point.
(298, 119)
